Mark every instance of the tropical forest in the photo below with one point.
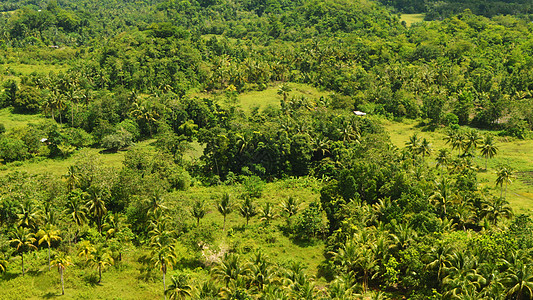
(266, 149)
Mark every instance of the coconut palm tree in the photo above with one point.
(179, 288)
(488, 149)
(438, 258)
(86, 250)
(198, 211)
(519, 281)
(22, 240)
(413, 144)
(62, 262)
(3, 263)
(290, 208)
(229, 269)
(97, 208)
(28, 216)
(443, 158)
(472, 141)
(496, 209)
(49, 234)
(442, 196)
(247, 209)
(225, 207)
(267, 213)
(504, 175)
(101, 258)
(425, 148)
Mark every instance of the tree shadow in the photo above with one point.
(50, 295)
(10, 276)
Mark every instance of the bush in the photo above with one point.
(12, 150)
(309, 224)
(117, 140)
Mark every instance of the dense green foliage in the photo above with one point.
(404, 222)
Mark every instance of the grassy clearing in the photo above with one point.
(59, 167)
(11, 120)
(27, 69)
(270, 97)
(518, 154)
(412, 18)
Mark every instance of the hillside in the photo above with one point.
(209, 149)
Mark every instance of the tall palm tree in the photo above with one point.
(488, 149)
(62, 262)
(425, 148)
(247, 209)
(179, 288)
(198, 211)
(472, 141)
(97, 208)
(496, 209)
(225, 207)
(76, 209)
(504, 175)
(49, 234)
(413, 144)
(28, 215)
(101, 258)
(443, 158)
(22, 240)
(443, 196)
(86, 250)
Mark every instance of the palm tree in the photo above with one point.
(76, 209)
(3, 263)
(413, 144)
(247, 209)
(472, 141)
(425, 148)
(28, 216)
(179, 288)
(261, 272)
(497, 208)
(225, 207)
(101, 258)
(488, 149)
(49, 234)
(62, 262)
(229, 269)
(22, 240)
(86, 249)
(438, 258)
(443, 196)
(443, 158)
(198, 211)
(97, 208)
(290, 208)
(504, 175)
(267, 213)
(519, 280)
(162, 255)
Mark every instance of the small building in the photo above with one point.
(359, 113)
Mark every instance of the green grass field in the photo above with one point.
(518, 154)
(12, 121)
(412, 18)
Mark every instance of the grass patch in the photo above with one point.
(518, 154)
(411, 19)
(11, 120)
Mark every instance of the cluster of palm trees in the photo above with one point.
(247, 209)
(469, 141)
